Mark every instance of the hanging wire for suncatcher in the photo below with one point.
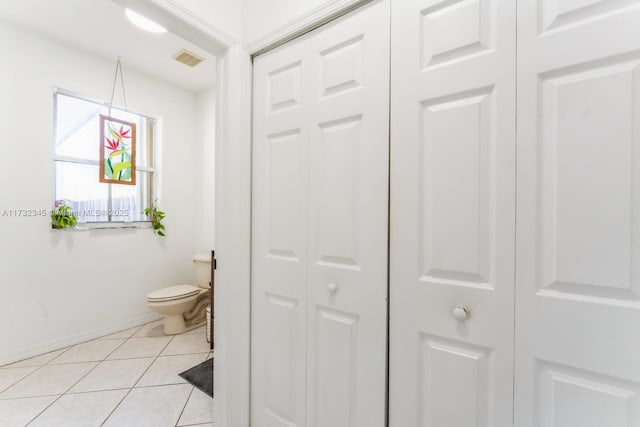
(117, 143)
(115, 81)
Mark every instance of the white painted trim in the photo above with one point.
(233, 240)
(195, 21)
(302, 24)
(74, 339)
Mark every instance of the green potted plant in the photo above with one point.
(156, 217)
(62, 216)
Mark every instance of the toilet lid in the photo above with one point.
(173, 292)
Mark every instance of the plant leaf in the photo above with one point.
(126, 174)
(113, 133)
(117, 153)
(120, 166)
(108, 170)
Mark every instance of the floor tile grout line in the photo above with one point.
(140, 357)
(88, 361)
(97, 363)
(196, 424)
(141, 375)
(184, 406)
(153, 361)
(134, 384)
(125, 338)
(66, 393)
(106, 389)
(65, 349)
(75, 383)
(187, 402)
(28, 397)
(37, 368)
(70, 393)
(47, 407)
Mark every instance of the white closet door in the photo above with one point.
(348, 219)
(452, 213)
(279, 238)
(320, 203)
(578, 269)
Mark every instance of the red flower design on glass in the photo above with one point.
(124, 133)
(112, 144)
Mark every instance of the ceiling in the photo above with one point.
(101, 27)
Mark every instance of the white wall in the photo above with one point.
(61, 287)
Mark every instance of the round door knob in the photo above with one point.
(460, 312)
(332, 288)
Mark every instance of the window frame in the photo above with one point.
(152, 171)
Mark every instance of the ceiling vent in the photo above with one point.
(188, 58)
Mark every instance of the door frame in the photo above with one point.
(232, 200)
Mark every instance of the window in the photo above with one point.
(76, 158)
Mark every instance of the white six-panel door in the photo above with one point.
(578, 245)
(452, 213)
(320, 202)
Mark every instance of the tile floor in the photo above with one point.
(129, 378)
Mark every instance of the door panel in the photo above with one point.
(452, 213)
(578, 269)
(336, 346)
(348, 204)
(320, 215)
(459, 400)
(279, 241)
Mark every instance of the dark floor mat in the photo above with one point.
(201, 376)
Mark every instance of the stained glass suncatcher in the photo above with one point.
(117, 151)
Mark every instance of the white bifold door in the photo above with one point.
(452, 213)
(319, 246)
(578, 258)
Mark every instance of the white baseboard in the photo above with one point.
(67, 341)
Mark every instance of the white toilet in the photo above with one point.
(183, 306)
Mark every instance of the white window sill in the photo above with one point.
(85, 226)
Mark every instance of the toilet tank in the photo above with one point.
(202, 264)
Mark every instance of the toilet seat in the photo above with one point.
(172, 293)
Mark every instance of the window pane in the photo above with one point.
(77, 128)
(145, 143)
(78, 185)
(128, 201)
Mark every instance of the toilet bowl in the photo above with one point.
(183, 306)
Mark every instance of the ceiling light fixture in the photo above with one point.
(144, 23)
